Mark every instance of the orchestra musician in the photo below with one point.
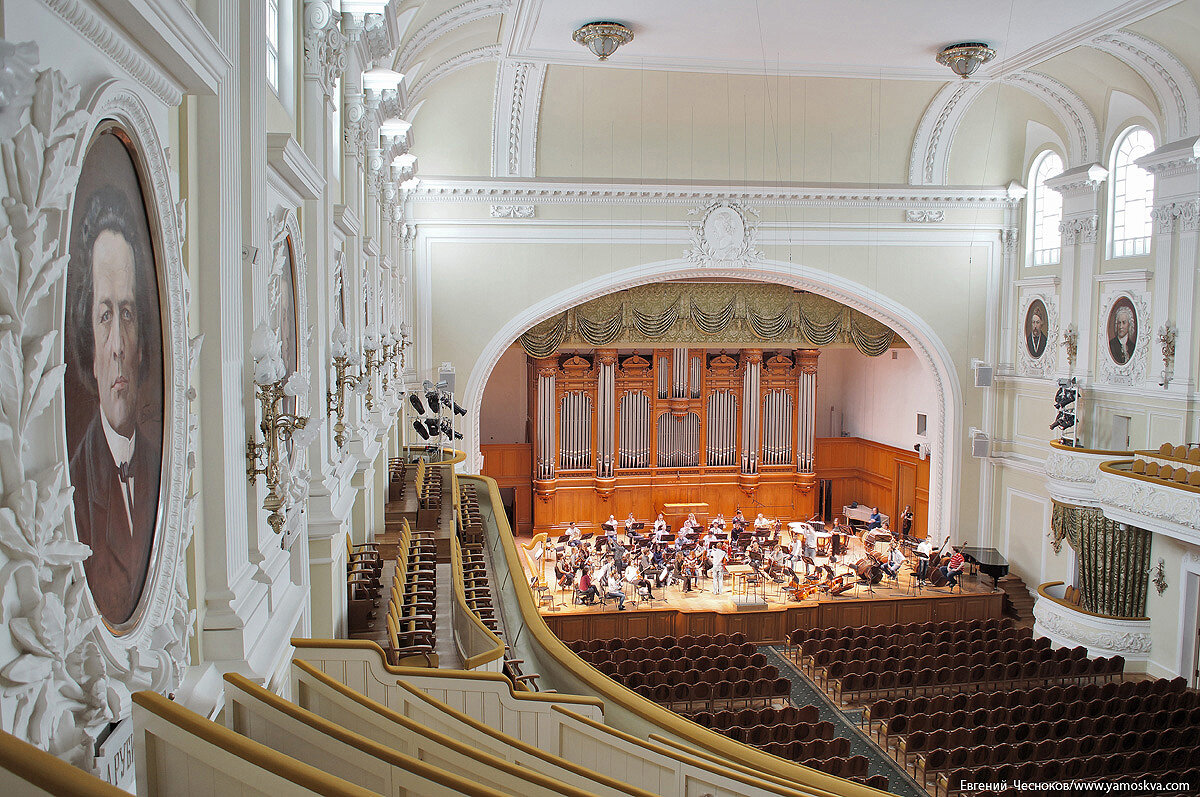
(574, 535)
(636, 576)
(690, 526)
(810, 544)
(761, 524)
(754, 554)
(894, 560)
(614, 590)
(906, 522)
(717, 556)
(776, 564)
(682, 570)
(798, 552)
(700, 563)
(586, 589)
(660, 528)
(924, 551)
(954, 567)
(876, 519)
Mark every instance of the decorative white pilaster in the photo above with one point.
(1176, 170)
(1080, 189)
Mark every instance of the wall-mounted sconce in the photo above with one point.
(1160, 577)
(1071, 341)
(272, 385)
(1166, 339)
(370, 346)
(341, 380)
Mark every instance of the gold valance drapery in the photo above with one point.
(671, 314)
(1114, 559)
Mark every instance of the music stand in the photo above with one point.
(916, 583)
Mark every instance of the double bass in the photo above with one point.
(936, 577)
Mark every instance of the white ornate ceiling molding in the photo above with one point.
(1102, 636)
(516, 191)
(446, 68)
(1083, 134)
(1171, 82)
(1176, 159)
(511, 211)
(439, 26)
(1157, 507)
(324, 46)
(925, 216)
(515, 115)
(65, 673)
(946, 448)
(929, 161)
(171, 53)
(293, 166)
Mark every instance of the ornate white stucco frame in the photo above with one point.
(1113, 288)
(1045, 365)
(65, 674)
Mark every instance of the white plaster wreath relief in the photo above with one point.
(1133, 370)
(724, 233)
(63, 673)
(1027, 363)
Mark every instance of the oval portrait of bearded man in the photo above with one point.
(114, 381)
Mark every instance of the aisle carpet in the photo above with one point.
(804, 693)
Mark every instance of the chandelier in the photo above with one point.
(603, 38)
(965, 58)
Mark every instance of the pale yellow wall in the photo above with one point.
(989, 146)
(452, 131)
(640, 124)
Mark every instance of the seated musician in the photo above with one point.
(660, 528)
(587, 592)
(629, 523)
(700, 562)
(754, 554)
(924, 551)
(776, 565)
(613, 588)
(690, 526)
(682, 570)
(739, 520)
(718, 522)
(761, 524)
(876, 519)
(637, 577)
(895, 559)
(953, 568)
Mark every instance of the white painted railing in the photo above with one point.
(1070, 626)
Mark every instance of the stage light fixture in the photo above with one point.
(459, 410)
(1064, 421)
(1064, 397)
(420, 427)
(432, 425)
(415, 401)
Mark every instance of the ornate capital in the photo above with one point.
(752, 356)
(807, 359)
(1009, 239)
(324, 46)
(1080, 230)
(547, 367)
(606, 356)
(1183, 216)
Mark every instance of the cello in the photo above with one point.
(936, 576)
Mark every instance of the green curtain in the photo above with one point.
(1114, 559)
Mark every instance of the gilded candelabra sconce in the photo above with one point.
(1071, 341)
(370, 347)
(341, 380)
(1166, 339)
(1160, 577)
(272, 385)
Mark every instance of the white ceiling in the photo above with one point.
(844, 38)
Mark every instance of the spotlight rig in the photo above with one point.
(1066, 402)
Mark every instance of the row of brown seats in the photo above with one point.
(837, 664)
(756, 716)
(823, 658)
(674, 652)
(470, 519)
(1025, 669)
(1180, 452)
(410, 620)
(1167, 473)
(1054, 739)
(1043, 698)
(654, 676)
(582, 646)
(812, 647)
(430, 489)
(737, 661)
(675, 693)
(397, 473)
(799, 635)
(785, 733)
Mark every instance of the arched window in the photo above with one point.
(273, 44)
(1045, 211)
(1132, 195)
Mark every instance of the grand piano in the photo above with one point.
(988, 560)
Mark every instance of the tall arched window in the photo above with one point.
(1045, 211)
(1132, 195)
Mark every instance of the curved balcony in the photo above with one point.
(1160, 506)
(1071, 472)
(1069, 625)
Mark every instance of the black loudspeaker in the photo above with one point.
(825, 499)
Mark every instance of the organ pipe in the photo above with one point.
(606, 359)
(546, 447)
(806, 439)
(752, 358)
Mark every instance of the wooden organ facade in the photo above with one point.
(619, 432)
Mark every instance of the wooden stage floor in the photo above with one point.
(675, 612)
